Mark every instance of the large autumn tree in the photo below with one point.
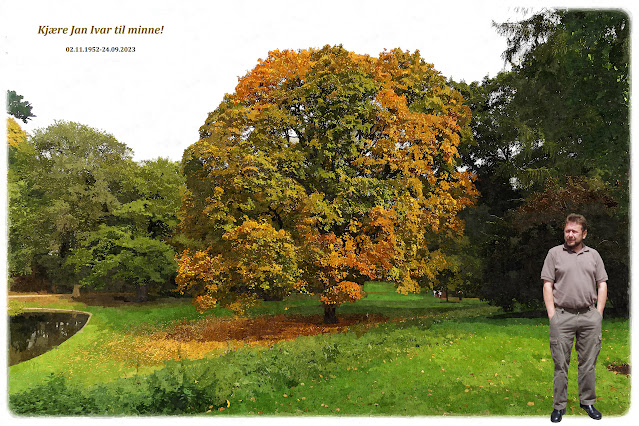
(324, 169)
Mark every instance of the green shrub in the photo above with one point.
(54, 397)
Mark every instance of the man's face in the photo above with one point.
(574, 235)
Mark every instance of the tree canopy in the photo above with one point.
(132, 246)
(18, 107)
(323, 169)
(81, 211)
(552, 138)
(66, 181)
(571, 72)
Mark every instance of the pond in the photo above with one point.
(34, 333)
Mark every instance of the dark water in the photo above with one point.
(34, 333)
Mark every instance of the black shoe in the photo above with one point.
(555, 417)
(592, 411)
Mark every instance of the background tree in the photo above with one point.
(22, 215)
(556, 124)
(22, 210)
(65, 181)
(572, 68)
(82, 212)
(132, 247)
(18, 107)
(154, 197)
(493, 158)
(113, 257)
(329, 168)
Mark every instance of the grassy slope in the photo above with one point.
(468, 364)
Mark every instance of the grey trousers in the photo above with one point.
(585, 329)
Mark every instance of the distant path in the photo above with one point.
(43, 299)
(38, 296)
(14, 296)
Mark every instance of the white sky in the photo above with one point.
(155, 99)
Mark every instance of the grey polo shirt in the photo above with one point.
(575, 275)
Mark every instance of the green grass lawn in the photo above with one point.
(472, 366)
(432, 358)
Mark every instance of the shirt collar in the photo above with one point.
(584, 248)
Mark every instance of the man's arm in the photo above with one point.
(549, 299)
(602, 294)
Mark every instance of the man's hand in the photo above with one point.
(602, 294)
(549, 299)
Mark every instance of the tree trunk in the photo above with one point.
(76, 291)
(330, 316)
(143, 293)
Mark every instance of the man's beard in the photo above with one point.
(573, 244)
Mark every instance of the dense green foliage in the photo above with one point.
(132, 245)
(66, 180)
(94, 209)
(572, 93)
(552, 138)
(18, 107)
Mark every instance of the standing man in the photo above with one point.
(575, 291)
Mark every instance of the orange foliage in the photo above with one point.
(345, 291)
(323, 169)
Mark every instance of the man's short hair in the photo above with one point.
(578, 219)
